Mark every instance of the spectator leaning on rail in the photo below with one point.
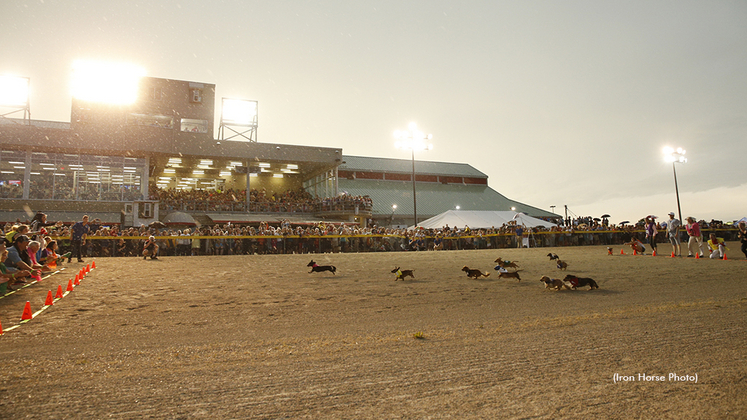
(33, 250)
(18, 257)
(78, 238)
(11, 277)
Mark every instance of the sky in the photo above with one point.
(560, 103)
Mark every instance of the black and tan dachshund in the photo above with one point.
(580, 282)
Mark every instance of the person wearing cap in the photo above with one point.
(673, 231)
(18, 256)
(6, 275)
(696, 238)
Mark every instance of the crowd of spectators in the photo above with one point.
(260, 201)
(286, 238)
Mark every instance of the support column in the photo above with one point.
(337, 186)
(27, 176)
(248, 185)
(144, 179)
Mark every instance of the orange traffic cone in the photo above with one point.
(50, 300)
(82, 273)
(654, 253)
(672, 254)
(622, 252)
(725, 257)
(1, 329)
(27, 312)
(93, 265)
(88, 268)
(76, 282)
(70, 285)
(59, 292)
(635, 252)
(697, 256)
(609, 251)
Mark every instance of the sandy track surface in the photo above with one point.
(260, 337)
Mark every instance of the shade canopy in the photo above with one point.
(482, 220)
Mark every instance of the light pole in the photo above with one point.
(553, 209)
(413, 139)
(391, 220)
(674, 156)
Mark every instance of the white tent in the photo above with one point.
(481, 219)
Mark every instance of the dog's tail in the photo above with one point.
(487, 274)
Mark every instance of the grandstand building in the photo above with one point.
(111, 161)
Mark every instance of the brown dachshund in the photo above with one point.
(506, 264)
(475, 274)
(401, 274)
(510, 275)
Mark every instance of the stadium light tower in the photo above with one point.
(14, 95)
(238, 113)
(106, 82)
(413, 139)
(674, 156)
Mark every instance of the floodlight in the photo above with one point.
(14, 91)
(239, 112)
(111, 83)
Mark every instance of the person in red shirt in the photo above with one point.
(693, 230)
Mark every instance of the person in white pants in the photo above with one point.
(693, 230)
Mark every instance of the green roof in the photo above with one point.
(358, 163)
(432, 198)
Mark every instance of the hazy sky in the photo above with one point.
(559, 103)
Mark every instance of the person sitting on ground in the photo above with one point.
(717, 246)
(150, 249)
(636, 245)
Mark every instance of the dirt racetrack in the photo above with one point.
(260, 337)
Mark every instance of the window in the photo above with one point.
(146, 210)
(161, 121)
(195, 95)
(194, 126)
